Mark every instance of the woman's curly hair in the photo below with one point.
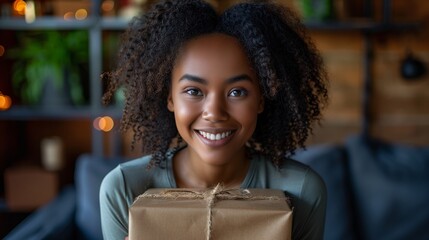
(290, 70)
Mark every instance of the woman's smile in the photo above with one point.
(215, 138)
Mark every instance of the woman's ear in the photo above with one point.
(170, 104)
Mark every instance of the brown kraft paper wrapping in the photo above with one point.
(215, 214)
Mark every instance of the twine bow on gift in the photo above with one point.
(211, 196)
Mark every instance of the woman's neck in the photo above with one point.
(192, 172)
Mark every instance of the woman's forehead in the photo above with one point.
(213, 55)
(213, 47)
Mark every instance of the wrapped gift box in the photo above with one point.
(215, 214)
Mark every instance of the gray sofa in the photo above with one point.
(376, 190)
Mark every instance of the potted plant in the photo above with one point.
(47, 67)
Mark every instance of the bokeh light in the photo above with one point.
(5, 102)
(81, 14)
(108, 5)
(19, 6)
(95, 123)
(68, 16)
(104, 124)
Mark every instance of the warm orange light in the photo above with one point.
(68, 16)
(106, 123)
(2, 50)
(103, 123)
(95, 123)
(81, 14)
(5, 102)
(19, 6)
(108, 5)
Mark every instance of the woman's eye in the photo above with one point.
(238, 93)
(193, 92)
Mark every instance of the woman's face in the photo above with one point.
(215, 98)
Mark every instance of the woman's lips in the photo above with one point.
(215, 139)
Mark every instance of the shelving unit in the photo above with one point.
(46, 23)
(21, 117)
(24, 113)
(95, 24)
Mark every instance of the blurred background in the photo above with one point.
(53, 52)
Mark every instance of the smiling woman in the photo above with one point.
(218, 99)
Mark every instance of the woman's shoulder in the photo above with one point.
(134, 177)
(288, 168)
(136, 164)
(129, 167)
(311, 180)
(292, 176)
(122, 172)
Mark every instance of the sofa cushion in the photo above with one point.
(330, 162)
(90, 171)
(390, 184)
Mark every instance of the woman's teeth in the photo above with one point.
(217, 136)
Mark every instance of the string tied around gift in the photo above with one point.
(210, 196)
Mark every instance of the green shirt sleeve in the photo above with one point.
(309, 220)
(114, 206)
(119, 189)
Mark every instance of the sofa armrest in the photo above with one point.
(90, 171)
(52, 221)
(330, 162)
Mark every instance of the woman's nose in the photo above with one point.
(215, 109)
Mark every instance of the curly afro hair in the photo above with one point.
(290, 70)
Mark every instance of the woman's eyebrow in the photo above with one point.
(243, 77)
(193, 78)
(189, 77)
